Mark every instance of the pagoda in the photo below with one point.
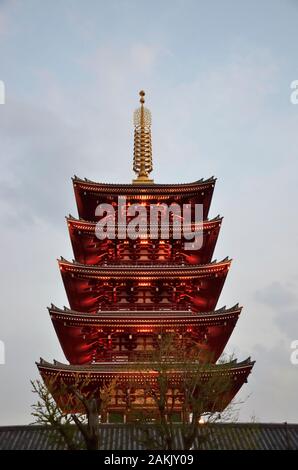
(124, 293)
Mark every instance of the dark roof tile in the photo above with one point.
(261, 436)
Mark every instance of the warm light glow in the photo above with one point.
(108, 278)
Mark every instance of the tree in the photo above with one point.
(73, 430)
(197, 394)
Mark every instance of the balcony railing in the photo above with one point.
(130, 356)
(151, 307)
(140, 263)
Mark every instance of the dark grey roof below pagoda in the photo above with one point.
(225, 436)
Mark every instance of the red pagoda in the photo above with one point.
(125, 293)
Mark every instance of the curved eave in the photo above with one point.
(88, 249)
(94, 376)
(132, 189)
(78, 332)
(96, 370)
(89, 194)
(88, 227)
(77, 319)
(136, 272)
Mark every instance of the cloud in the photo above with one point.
(39, 152)
(54, 134)
(3, 21)
(276, 295)
(283, 301)
(273, 384)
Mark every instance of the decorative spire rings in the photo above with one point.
(142, 156)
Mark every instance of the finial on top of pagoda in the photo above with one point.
(142, 156)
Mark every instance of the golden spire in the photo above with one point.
(142, 155)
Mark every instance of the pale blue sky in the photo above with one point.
(217, 77)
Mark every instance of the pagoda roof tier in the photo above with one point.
(150, 272)
(102, 370)
(89, 194)
(130, 318)
(88, 249)
(80, 334)
(90, 287)
(132, 189)
(92, 377)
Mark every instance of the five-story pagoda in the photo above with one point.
(126, 292)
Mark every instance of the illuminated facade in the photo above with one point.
(124, 294)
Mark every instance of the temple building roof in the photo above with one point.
(89, 194)
(132, 189)
(86, 337)
(89, 288)
(101, 368)
(129, 317)
(91, 377)
(89, 226)
(223, 436)
(88, 249)
(135, 271)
